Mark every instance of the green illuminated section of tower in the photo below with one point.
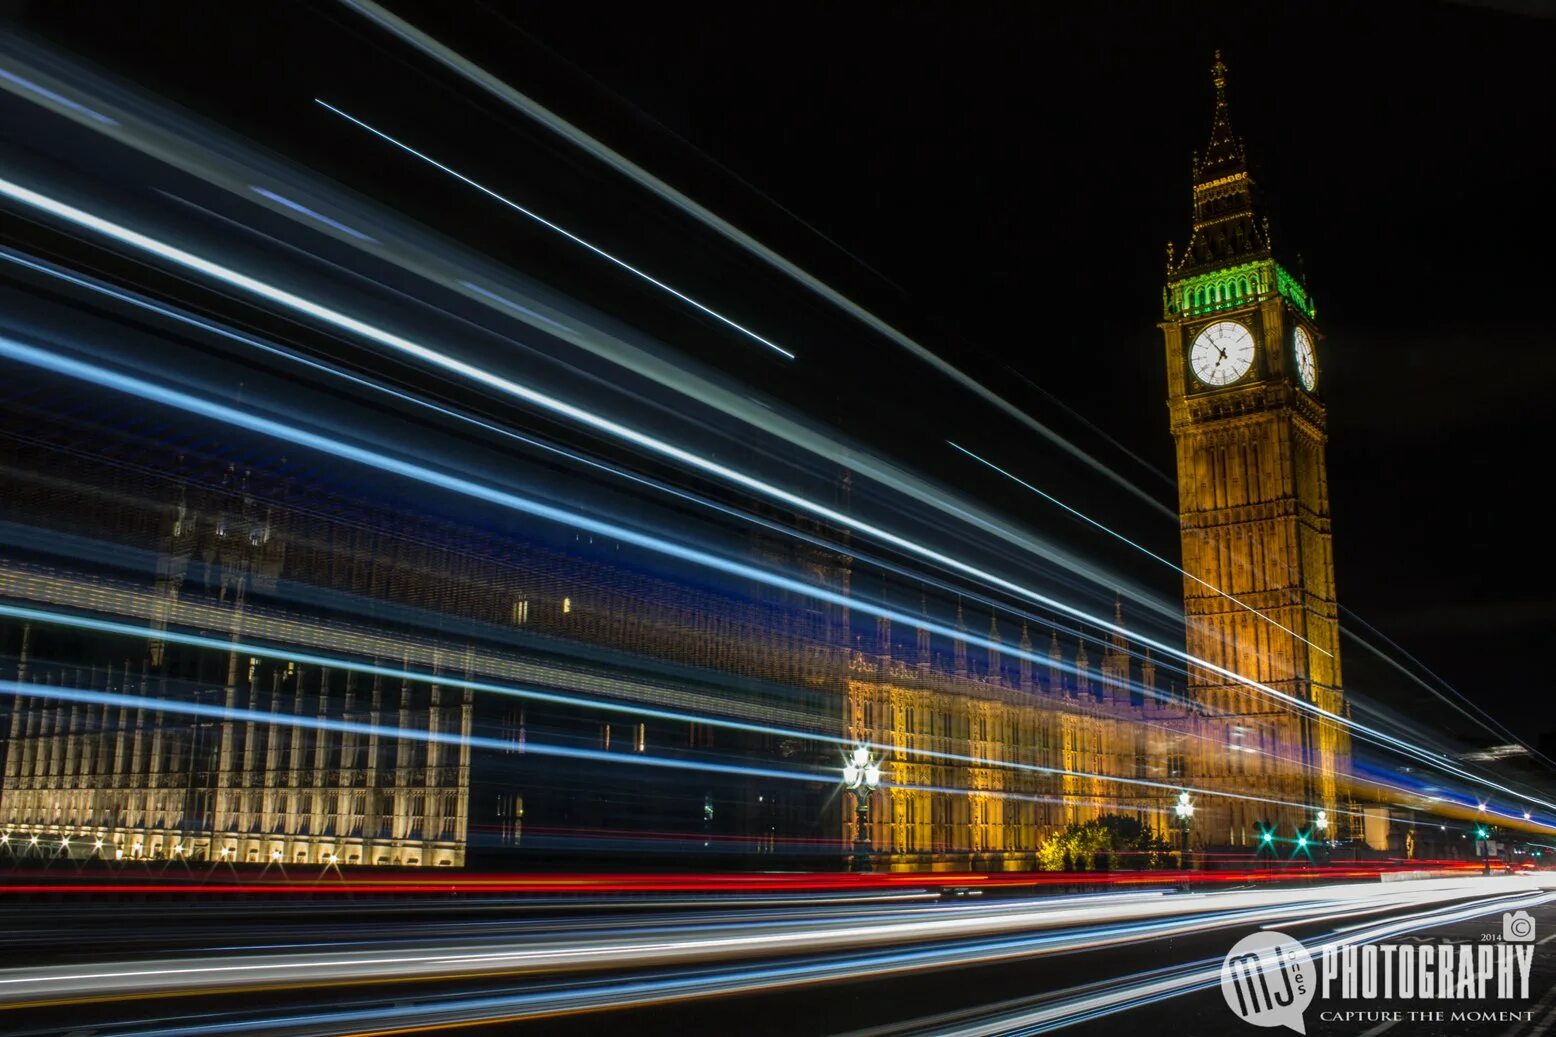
(1233, 286)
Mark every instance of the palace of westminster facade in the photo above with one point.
(418, 627)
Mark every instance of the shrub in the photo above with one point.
(1111, 839)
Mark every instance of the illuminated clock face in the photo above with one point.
(1307, 360)
(1222, 353)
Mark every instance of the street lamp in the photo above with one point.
(1184, 811)
(1320, 829)
(861, 776)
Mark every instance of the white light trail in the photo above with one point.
(560, 230)
(1138, 547)
(1017, 929)
(519, 102)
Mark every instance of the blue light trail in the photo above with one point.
(279, 719)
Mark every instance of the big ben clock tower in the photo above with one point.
(1243, 381)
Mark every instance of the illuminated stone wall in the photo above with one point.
(151, 785)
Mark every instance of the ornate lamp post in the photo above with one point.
(1184, 811)
(861, 776)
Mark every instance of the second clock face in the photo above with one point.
(1222, 353)
(1307, 360)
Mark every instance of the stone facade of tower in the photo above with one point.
(1244, 403)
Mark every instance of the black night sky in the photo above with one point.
(1001, 179)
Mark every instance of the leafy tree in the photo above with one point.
(1105, 842)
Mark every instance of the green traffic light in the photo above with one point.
(1268, 836)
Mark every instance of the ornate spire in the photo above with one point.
(960, 645)
(883, 629)
(1224, 154)
(1226, 228)
(1055, 664)
(1024, 667)
(995, 640)
(924, 659)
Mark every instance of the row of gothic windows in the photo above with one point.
(1225, 291)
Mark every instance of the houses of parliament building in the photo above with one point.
(346, 682)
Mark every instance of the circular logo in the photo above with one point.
(1268, 979)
